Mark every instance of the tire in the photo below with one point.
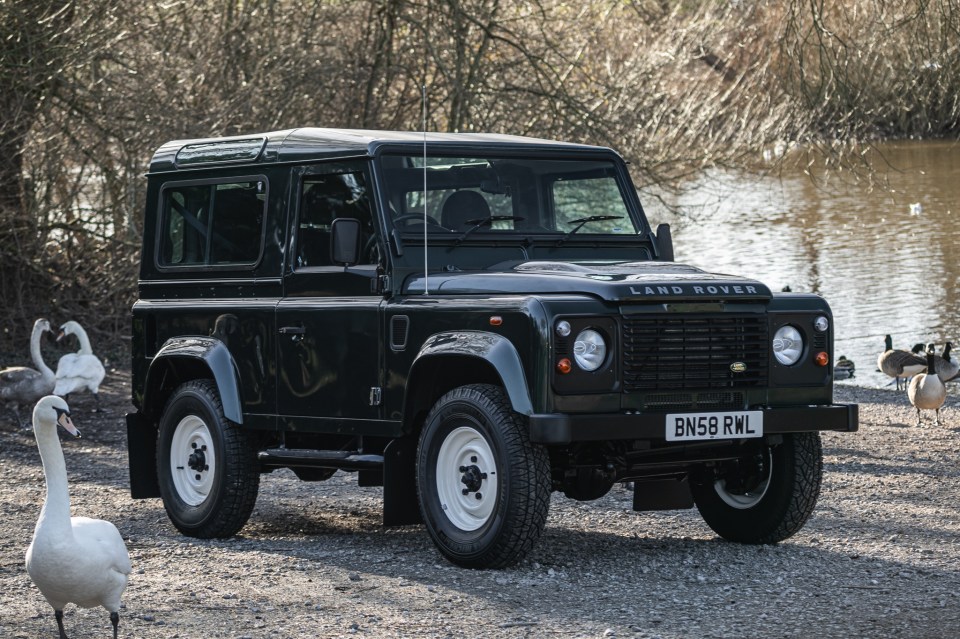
(484, 488)
(208, 474)
(767, 497)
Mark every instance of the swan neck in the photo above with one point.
(56, 506)
(85, 348)
(36, 355)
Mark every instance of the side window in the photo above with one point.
(212, 224)
(324, 198)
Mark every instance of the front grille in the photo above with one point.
(694, 401)
(694, 352)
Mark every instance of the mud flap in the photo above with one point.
(662, 494)
(142, 454)
(400, 504)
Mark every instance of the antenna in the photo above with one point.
(426, 270)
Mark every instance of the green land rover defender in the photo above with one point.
(472, 321)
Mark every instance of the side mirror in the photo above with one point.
(345, 241)
(665, 242)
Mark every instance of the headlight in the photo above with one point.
(589, 350)
(787, 345)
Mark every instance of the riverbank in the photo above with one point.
(877, 559)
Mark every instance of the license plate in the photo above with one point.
(688, 427)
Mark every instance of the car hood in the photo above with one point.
(649, 281)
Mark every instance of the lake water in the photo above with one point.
(886, 257)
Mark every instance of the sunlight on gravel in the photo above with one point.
(878, 558)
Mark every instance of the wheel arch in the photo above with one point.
(446, 361)
(183, 359)
(451, 359)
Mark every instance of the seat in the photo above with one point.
(238, 225)
(313, 247)
(461, 206)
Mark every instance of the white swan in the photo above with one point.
(23, 385)
(71, 559)
(926, 390)
(81, 370)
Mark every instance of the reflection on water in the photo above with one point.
(885, 265)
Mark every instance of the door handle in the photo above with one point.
(295, 332)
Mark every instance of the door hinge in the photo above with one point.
(380, 284)
(376, 396)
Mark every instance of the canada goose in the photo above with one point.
(81, 370)
(844, 368)
(926, 390)
(24, 385)
(71, 559)
(947, 368)
(899, 364)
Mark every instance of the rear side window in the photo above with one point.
(212, 224)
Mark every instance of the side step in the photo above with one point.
(309, 458)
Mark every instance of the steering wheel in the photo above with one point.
(371, 250)
(410, 217)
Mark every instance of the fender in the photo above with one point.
(495, 349)
(210, 353)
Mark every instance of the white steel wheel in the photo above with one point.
(193, 462)
(466, 478)
(483, 487)
(764, 497)
(207, 470)
(743, 498)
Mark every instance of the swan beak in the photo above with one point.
(61, 335)
(64, 420)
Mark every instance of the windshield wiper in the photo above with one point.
(585, 220)
(486, 221)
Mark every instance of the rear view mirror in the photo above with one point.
(345, 241)
(664, 243)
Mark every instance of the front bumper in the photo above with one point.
(566, 428)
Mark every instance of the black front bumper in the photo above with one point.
(564, 428)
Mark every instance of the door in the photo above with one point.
(329, 341)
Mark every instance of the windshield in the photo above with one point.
(476, 196)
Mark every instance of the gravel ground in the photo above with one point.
(879, 557)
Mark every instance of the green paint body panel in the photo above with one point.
(339, 357)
